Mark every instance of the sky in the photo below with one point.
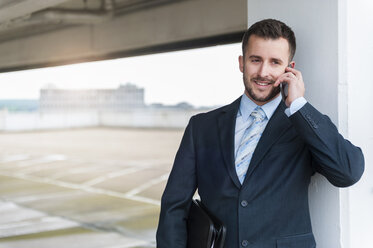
(203, 77)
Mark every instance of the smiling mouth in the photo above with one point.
(263, 83)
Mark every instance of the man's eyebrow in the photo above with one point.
(254, 57)
(277, 60)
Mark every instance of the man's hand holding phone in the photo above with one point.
(293, 78)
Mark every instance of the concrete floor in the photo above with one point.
(83, 188)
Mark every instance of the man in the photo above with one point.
(252, 160)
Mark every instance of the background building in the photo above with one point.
(126, 97)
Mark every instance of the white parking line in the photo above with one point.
(13, 158)
(39, 167)
(111, 175)
(65, 172)
(80, 187)
(147, 185)
(43, 160)
(18, 220)
(31, 198)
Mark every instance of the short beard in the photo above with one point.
(274, 92)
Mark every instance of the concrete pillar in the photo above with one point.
(334, 51)
(358, 54)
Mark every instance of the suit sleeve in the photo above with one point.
(176, 198)
(336, 158)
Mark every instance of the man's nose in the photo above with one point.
(264, 70)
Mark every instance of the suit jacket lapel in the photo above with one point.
(227, 125)
(276, 126)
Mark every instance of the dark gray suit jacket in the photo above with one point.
(271, 208)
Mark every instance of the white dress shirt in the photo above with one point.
(243, 119)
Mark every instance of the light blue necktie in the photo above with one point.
(249, 141)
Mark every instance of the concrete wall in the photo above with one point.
(150, 118)
(137, 31)
(39, 121)
(329, 55)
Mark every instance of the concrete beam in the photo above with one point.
(11, 9)
(180, 25)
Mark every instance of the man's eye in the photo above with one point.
(255, 60)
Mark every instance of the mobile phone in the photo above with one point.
(284, 88)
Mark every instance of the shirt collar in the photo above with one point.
(247, 106)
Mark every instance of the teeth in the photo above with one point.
(262, 84)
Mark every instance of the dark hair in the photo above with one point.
(270, 29)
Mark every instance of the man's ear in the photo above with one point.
(292, 64)
(241, 62)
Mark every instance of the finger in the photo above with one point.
(283, 78)
(286, 77)
(289, 69)
(297, 73)
(279, 80)
(290, 75)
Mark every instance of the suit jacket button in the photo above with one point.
(244, 203)
(245, 243)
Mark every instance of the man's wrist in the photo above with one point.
(295, 106)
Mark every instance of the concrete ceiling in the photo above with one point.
(40, 33)
(20, 18)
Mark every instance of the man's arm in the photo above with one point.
(176, 199)
(337, 159)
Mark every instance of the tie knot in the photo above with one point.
(258, 114)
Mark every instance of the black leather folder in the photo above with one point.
(204, 229)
